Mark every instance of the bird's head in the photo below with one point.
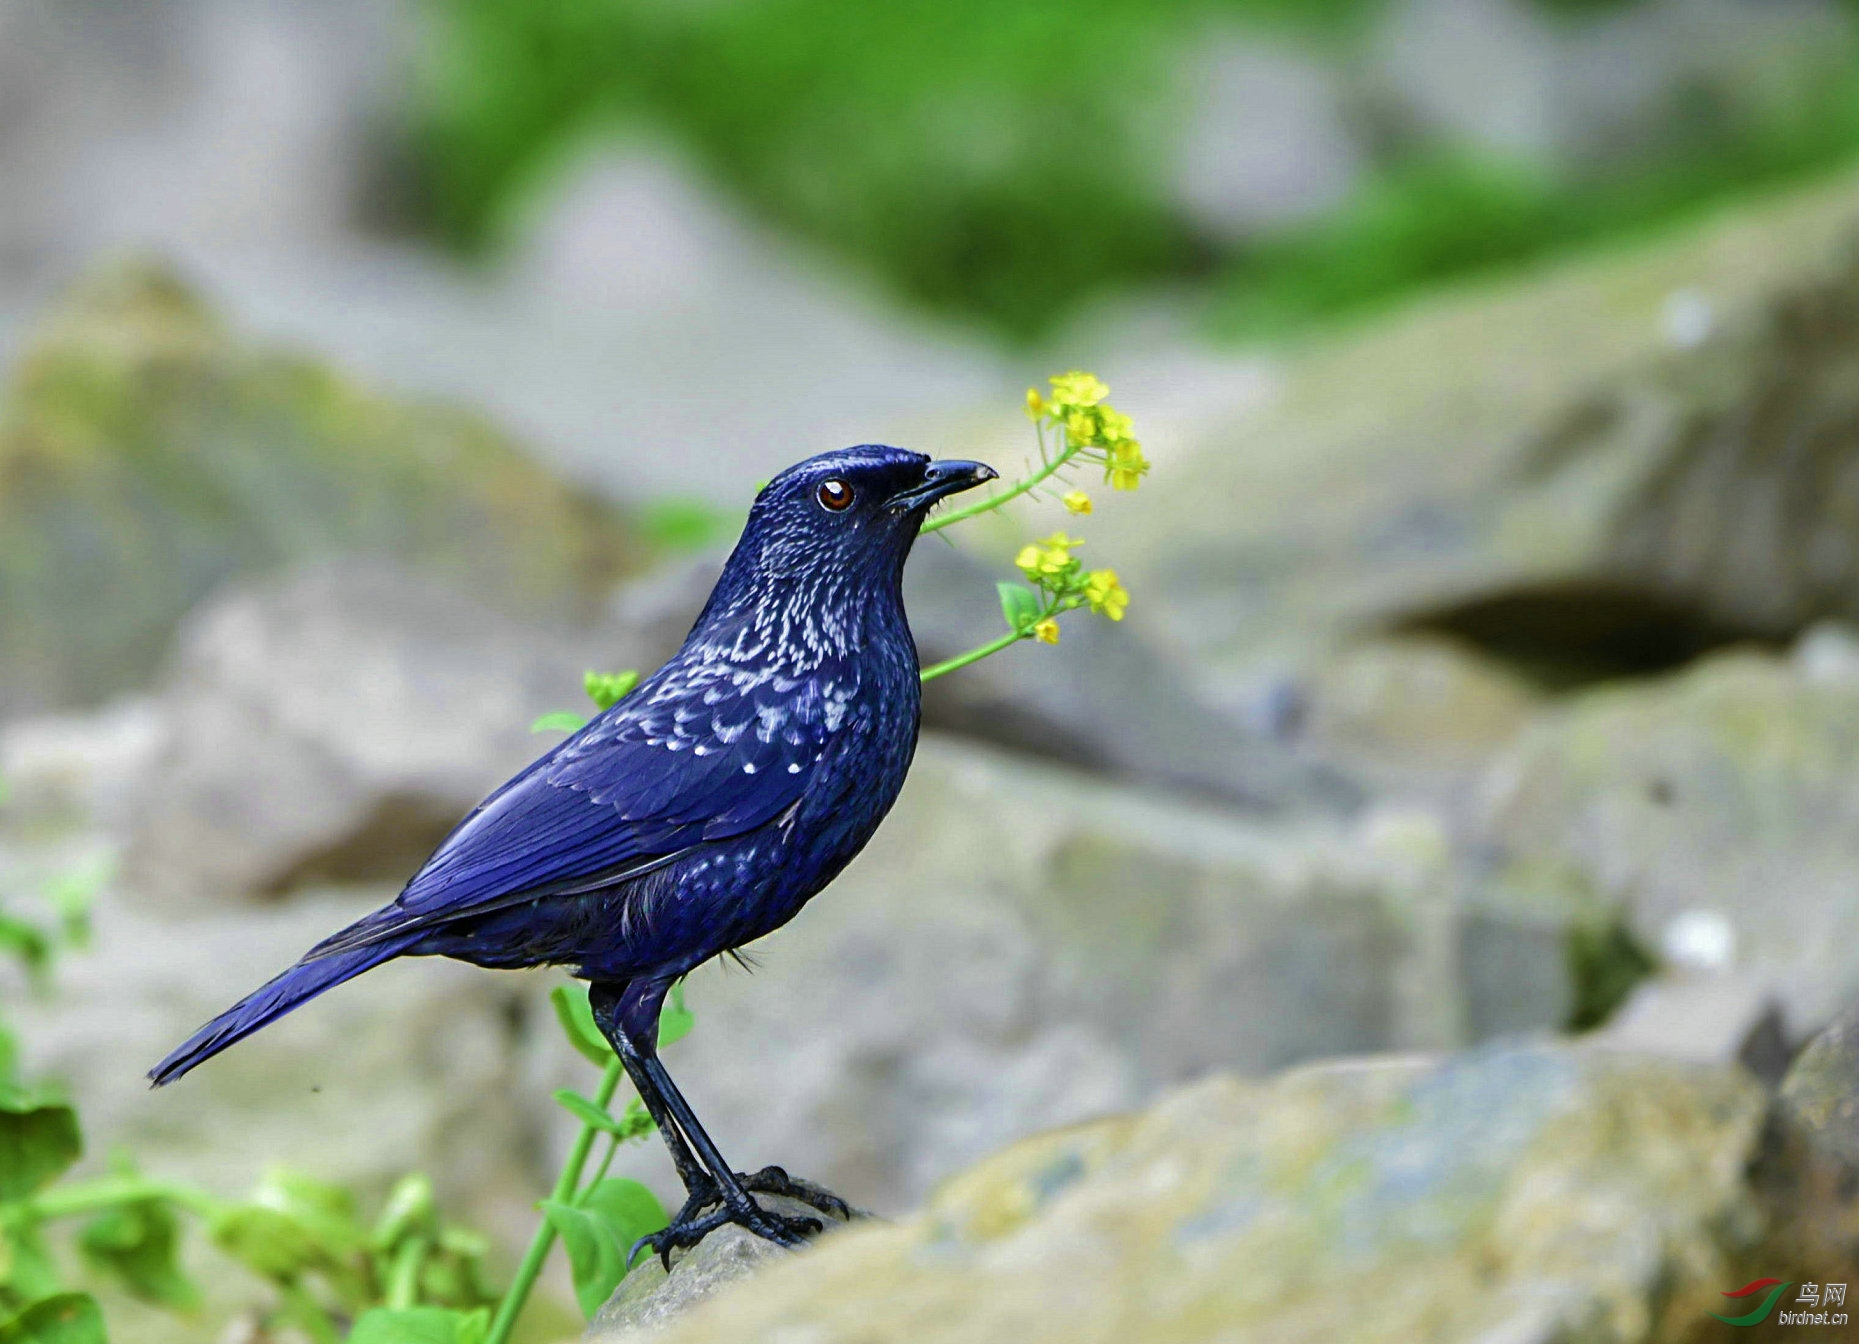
(851, 511)
(829, 534)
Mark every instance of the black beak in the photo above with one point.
(941, 479)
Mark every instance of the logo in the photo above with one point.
(1762, 1295)
(1774, 1287)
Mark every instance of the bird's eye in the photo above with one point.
(835, 495)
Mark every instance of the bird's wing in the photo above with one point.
(695, 754)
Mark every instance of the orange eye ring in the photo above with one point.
(835, 495)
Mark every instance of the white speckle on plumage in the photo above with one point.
(749, 769)
(701, 750)
(794, 767)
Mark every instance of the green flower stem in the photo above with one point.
(565, 1185)
(113, 1192)
(975, 655)
(403, 1278)
(994, 646)
(993, 502)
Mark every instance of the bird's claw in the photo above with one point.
(775, 1181)
(686, 1232)
(767, 1181)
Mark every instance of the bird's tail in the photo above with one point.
(298, 985)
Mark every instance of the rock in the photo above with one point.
(1513, 1193)
(1022, 946)
(1541, 466)
(77, 769)
(649, 1299)
(148, 454)
(334, 724)
(1713, 1019)
(1711, 811)
(1821, 1089)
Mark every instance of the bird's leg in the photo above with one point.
(633, 1016)
(699, 1187)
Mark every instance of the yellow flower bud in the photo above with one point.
(1047, 631)
(1076, 501)
(1035, 404)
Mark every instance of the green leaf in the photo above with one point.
(577, 1019)
(139, 1244)
(595, 1257)
(27, 1271)
(674, 1019)
(68, 1318)
(586, 1111)
(27, 943)
(1019, 604)
(599, 1230)
(561, 721)
(38, 1140)
(628, 1208)
(607, 689)
(421, 1325)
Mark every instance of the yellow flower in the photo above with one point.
(1078, 389)
(1035, 404)
(1081, 427)
(1047, 631)
(1126, 465)
(1106, 594)
(1027, 561)
(1076, 501)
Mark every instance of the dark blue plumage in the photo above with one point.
(701, 811)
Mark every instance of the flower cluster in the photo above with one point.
(1093, 430)
(1089, 430)
(1060, 583)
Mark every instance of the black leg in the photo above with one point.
(699, 1187)
(628, 1017)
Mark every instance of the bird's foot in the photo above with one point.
(767, 1181)
(685, 1232)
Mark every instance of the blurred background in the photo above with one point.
(368, 370)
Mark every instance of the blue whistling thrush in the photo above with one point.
(696, 814)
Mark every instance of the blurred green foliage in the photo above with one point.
(997, 158)
(987, 157)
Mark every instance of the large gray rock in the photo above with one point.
(1715, 802)
(1516, 1194)
(1609, 466)
(334, 724)
(150, 455)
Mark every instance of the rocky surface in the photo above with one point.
(1501, 463)
(148, 454)
(334, 724)
(650, 1298)
(1513, 1193)
(1722, 795)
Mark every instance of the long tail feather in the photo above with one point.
(298, 985)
